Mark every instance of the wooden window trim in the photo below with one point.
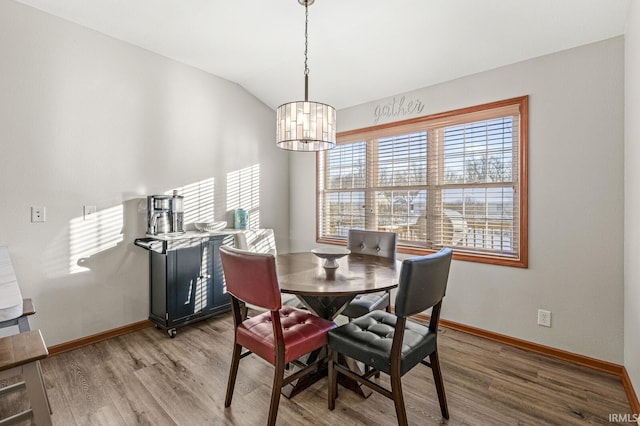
(523, 103)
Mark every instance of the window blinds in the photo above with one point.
(449, 180)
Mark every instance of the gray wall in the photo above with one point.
(632, 199)
(88, 120)
(576, 200)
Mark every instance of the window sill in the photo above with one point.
(463, 256)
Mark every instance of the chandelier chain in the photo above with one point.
(306, 125)
(306, 37)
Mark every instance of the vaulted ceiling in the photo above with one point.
(359, 50)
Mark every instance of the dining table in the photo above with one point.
(327, 291)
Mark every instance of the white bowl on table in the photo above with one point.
(330, 255)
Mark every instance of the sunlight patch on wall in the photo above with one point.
(90, 237)
(198, 201)
(243, 192)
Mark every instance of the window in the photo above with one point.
(456, 179)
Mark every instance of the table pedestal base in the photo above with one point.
(303, 383)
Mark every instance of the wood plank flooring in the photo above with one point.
(146, 378)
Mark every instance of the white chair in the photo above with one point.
(453, 230)
(262, 241)
(256, 241)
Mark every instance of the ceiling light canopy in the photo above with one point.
(306, 125)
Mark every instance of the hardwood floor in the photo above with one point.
(146, 378)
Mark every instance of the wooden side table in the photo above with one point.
(20, 354)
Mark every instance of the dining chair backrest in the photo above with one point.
(376, 243)
(423, 282)
(251, 277)
(256, 240)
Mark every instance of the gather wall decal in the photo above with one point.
(397, 107)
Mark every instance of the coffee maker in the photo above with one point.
(165, 214)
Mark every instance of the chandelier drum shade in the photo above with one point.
(306, 125)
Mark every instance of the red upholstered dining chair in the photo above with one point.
(281, 334)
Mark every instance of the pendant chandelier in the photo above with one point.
(306, 125)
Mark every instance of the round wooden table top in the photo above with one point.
(302, 274)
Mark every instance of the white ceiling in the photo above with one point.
(359, 50)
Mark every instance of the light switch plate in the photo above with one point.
(89, 212)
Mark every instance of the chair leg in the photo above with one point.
(244, 312)
(278, 378)
(233, 372)
(333, 380)
(437, 378)
(398, 399)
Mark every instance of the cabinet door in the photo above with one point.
(187, 284)
(220, 297)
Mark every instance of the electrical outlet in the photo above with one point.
(38, 214)
(89, 212)
(544, 318)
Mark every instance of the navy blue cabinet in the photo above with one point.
(186, 283)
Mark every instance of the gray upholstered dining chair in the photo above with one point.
(376, 243)
(389, 342)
